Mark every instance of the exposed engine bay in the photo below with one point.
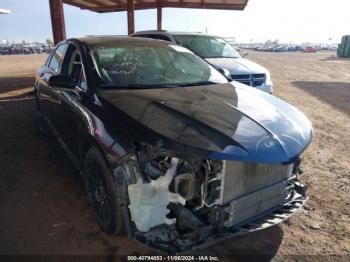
(176, 203)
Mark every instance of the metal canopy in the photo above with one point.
(102, 6)
(121, 5)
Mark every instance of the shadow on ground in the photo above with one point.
(335, 58)
(257, 246)
(15, 83)
(336, 94)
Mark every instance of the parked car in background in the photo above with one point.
(280, 48)
(309, 49)
(169, 150)
(23, 49)
(265, 48)
(4, 51)
(220, 54)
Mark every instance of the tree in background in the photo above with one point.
(49, 42)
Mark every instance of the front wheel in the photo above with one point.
(102, 193)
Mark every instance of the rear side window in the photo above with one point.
(57, 58)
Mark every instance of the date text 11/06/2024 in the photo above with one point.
(173, 258)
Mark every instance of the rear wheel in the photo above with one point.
(102, 193)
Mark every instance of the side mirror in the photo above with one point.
(225, 73)
(245, 54)
(62, 81)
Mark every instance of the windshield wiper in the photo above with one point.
(135, 86)
(201, 83)
(221, 57)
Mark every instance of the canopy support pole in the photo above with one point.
(57, 21)
(159, 18)
(130, 12)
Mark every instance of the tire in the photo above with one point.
(102, 193)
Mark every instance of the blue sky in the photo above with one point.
(286, 20)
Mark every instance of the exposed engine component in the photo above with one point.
(248, 190)
(178, 201)
(185, 185)
(149, 201)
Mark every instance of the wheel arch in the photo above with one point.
(85, 144)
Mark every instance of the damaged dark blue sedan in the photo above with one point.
(171, 152)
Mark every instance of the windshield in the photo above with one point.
(207, 46)
(145, 66)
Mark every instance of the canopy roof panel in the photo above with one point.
(102, 6)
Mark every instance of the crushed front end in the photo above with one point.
(176, 203)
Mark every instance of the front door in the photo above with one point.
(49, 96)
(65, 116)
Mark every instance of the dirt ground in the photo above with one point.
(44, 210)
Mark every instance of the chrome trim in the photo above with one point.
(254, 80)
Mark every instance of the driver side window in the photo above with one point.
(73, 66)
(57, 58)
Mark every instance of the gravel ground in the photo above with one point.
(43, 208)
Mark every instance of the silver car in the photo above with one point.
(220, 54)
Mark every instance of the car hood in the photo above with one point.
(237, 66)
(224, 121)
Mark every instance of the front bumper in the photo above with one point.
(262, 221)
(180, 245)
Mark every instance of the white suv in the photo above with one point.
(218, 53)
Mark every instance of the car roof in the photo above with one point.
(108, 40)
(164, 32)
